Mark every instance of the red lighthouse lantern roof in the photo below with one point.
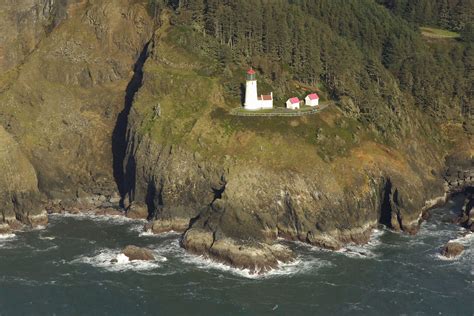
(251, 71)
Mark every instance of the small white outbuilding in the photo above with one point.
(312, 99)
(293, 103)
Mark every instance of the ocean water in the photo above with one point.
(65, 269)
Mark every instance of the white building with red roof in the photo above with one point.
(293, 103)
(253, 101)
(312, 99)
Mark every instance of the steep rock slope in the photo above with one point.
(61, 103)
(19, 195)
(23, 24)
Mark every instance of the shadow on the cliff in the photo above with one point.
(386, 206)
(126, 180)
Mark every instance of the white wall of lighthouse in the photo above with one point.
(251, 95)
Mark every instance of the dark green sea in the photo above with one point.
(65, 269)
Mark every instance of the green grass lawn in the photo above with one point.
(438, 33)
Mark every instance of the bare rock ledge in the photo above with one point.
(257, 257)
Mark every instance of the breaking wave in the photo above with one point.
(302, 264)
(113, 219)
(7, 236)
(116, 261)
(366, 251)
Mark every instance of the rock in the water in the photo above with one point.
(257, 257)
(137, 253)
(452, 250)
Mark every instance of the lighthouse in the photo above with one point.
(252, 100)
(251, 95)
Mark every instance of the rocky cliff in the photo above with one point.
(19, 195)
(65, 87)
(95, 97)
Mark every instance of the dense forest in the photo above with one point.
(449, 14)
(355, 50)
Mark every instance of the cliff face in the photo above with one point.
(63, 100)
(62, 95)
(19, 195)
(24, 23)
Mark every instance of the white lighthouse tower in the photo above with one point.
(251, 95)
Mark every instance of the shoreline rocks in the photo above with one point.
(98, 205)
(467, 217)
(161, 226)
(135, 211)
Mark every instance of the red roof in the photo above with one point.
(266, 97)
(251, 71)
(294, 100)
(313, 96)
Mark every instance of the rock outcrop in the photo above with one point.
(459, 174)
(257, 257)
(452, 250)
(467, 216)
(20, 201)
(137, 253)
(24, 23)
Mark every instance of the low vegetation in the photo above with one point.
(438, 33)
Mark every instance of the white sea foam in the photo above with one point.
(466, 239)
(113, 219)
(7, 236)
(149, 233)
(39, 227)
(365, 251)
(302, 264)
(104, 259)
(46, 249)
(444, 258)
(47, 238)
(299, 265)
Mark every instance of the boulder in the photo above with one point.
(137, 253)
(5, 229)
(137, 211)
(452, 250)
(115, 198)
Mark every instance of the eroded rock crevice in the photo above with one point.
(119, 136)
